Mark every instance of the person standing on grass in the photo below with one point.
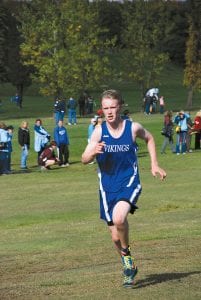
(62, 140)
(167, 132)
(4, 139)
(41, 138)
(197, 130)
(24, 142)
(10, 130)
(114, 146)
(181, 121)
(72, 115)
(59, 109)
(161, 104)
(82, 103)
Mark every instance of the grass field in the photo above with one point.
(53, 244)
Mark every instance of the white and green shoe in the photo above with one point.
(130, 271)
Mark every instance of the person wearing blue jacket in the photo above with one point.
(181, 120)
(71, 105)
(41, 137)
(62, 140)
(4, 138)
(10, 130)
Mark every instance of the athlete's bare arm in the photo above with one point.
(94, 147)
(142, 133)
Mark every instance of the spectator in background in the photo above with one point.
(41, 137)
(189, 131)
(82, 102)
(71, 106)
(10, 130)
(126, 115)
(90, 105)
(161, 104)
(4, 138)
(147, 105)
(167, 132)
(59, 109)
(181, 121)
(18, 100)
(99, 121)
(99, 113)
(48, 157)
(151, 99)
(91, 128)
(197, 130)
(24, 142)
(62, 141)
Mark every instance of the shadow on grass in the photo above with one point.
(36, 168)
(143, 154)
(154, 279)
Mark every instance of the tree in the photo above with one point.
(62, 44)
(12, 69)
(17, 73)
(172, 21)
(110, 18)
(143, 61)
(3, 30)
(192, 72)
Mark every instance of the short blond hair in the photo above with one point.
(112, 94)
(24, 124)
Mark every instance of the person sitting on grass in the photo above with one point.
(48, 157)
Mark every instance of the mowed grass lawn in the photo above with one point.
(54, 246)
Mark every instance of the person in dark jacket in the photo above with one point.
(167, 132)
(24, 142)
(62, 140)
(82, 103)
(59, 109)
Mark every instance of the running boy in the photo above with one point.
(114, 146)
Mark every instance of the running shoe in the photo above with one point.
(130, 271)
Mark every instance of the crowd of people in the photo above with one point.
(112, 142)
(48, 152)
(85, 104)
(184, 127)
(180, 127)
(152, 102)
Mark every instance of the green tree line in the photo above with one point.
(68, 46)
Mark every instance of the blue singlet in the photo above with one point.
(118, 170)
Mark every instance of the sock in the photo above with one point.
(125, 251)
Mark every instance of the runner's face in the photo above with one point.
(111, 109)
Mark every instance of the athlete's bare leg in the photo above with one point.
(115, 238)
(120, 233)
